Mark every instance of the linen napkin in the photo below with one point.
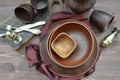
(32, 50)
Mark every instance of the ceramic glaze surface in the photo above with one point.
(63, 45)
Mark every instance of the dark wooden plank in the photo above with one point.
(6, 68)
(29, 76)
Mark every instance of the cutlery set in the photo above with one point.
(11, 32)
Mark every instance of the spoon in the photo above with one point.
(34, 31)
(26, 27)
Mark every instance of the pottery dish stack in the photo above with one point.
(71, 48)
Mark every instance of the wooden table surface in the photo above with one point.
(13, 64)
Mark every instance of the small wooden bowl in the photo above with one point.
(63, 45)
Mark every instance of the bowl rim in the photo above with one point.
(53, 31)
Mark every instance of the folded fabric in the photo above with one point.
(32, 50)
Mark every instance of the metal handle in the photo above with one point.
(13, 37)
(34, 31)
(109, 38)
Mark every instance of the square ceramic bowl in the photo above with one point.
(63, 45)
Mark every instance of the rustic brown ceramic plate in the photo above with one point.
(63, 45)
(84, 40)
(67, 72)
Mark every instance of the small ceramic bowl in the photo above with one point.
(39, 4)
(24, 13)
(63, 45)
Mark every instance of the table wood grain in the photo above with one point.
(13, 64)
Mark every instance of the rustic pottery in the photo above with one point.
(80, 6)
(63, 45)
(84, 40)
(62, 71)
(24, 13)
(101, 19)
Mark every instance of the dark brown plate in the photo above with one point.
(67, 72)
